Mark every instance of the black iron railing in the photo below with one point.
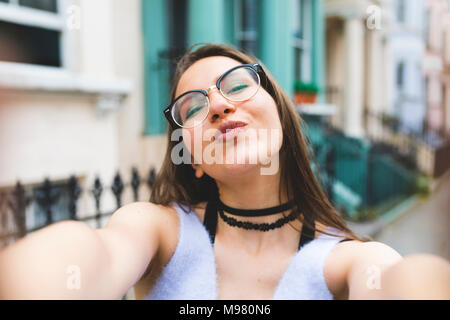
(55, 201)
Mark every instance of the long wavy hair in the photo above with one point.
(177, 183)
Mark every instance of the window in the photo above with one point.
(400, 10)
(177, 22)
(33, 32)
(46, 5)
(400, 74)
(302, 39)
(426, 24)
(247, 15)
(400, 84)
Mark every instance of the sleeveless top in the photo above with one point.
(191, 274)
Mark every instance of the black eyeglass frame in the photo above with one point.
(254, 66)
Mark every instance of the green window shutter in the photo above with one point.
(229, 22)
(156, 73)
(206, 21)
(276, 35)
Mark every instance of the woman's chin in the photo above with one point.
(238, 170)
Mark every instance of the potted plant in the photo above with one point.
(305, 92)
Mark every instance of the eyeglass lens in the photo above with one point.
(239, 85)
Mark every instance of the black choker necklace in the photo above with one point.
(257, 213)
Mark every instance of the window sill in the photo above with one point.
(108, 92)
(316, 109)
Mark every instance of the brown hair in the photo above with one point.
(177, 183)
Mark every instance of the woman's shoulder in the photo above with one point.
(144, 210)
(350, 255)
(147, 215)
(152, 220)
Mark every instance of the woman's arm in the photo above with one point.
(379, 272)
(70, 260)
(417, 276)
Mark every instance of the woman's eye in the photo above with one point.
(192, 111)
(238, 88)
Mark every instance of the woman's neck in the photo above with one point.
(251, 191)
(257, 192)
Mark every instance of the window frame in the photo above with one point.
(305, 43)
(401, 11)
(241, 35)
(12, 12)
(400, 73)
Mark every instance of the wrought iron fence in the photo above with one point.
(390, 137)
(423, 151)
(55, 201)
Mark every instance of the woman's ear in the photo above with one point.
(198, 171)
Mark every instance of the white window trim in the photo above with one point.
(305, 44)
(22, 76)
(13, 13)
(107, 92)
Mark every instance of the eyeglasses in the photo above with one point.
(238, 84)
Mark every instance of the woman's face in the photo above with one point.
(257, 140)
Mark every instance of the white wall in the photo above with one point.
(406, 45)
(135, 149)
(47, 133)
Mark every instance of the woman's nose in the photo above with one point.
(218, 105)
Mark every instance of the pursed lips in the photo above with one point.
(229, 129)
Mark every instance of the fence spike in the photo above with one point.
(135, 182)
(151, 178)
(46, 196)
(117, 188)
(74, 193)
(97, 192)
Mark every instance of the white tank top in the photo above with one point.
(191, 274)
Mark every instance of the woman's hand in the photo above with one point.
(417, 276)
(379, 272)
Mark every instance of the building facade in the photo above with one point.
(437, 67)
(355, 60)
(286, 35)
(72, 93)
(84, 82)
(406, 47)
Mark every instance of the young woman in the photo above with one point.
(221, 229)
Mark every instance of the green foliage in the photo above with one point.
(300, 86)
(422, 185)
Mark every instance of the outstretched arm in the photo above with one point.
(418, 276)
(379, 272)
(70, 260)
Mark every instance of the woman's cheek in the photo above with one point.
(198, 140)
(189, 140)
